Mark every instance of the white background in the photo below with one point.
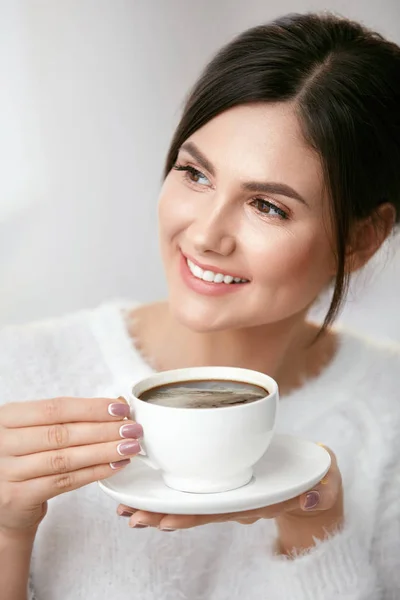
(91, 92)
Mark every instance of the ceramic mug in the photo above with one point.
(205, 450)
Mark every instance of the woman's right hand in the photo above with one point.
(49, 447)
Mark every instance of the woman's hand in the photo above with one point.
(314, 514)
(49, 447)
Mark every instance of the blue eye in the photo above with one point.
(193, 175)
(267, 208)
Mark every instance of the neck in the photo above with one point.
(282, 350)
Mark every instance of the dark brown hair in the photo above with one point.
(345, 83)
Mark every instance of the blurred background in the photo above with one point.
(91, 92)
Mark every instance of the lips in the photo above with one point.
(207, 282)
(212, 276)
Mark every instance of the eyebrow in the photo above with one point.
(267, 187)
(193, 150)
(273, 187)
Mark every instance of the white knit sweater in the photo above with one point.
(84, 551)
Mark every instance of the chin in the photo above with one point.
(196, 322)
(200, 319)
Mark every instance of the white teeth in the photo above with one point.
(212, 277)
(197, 271)
(208, 276)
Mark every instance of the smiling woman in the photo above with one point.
(282, 179)
(322, 88)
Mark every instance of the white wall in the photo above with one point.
(93, 91)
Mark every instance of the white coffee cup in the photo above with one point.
(205, 450)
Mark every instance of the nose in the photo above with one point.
(213, 232)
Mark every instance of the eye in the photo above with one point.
(193, 175)
(268, 208)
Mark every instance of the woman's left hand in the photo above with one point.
(301, 520)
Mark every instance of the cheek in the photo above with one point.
(172, 210)
(293, 258)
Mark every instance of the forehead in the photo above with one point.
(261, 142)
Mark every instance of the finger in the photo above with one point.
(148, 519)
(44, 488)
(247, 517)
(125, 511)
(65, 461)
(189, 521)
(29, 440)
(62, 410)
(334, 464)
(325, 494)
(247, 521)
(173, 522)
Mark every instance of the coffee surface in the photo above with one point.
(204, 394)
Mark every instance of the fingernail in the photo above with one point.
(167, 529)
(138, 525)
(119, 410)
(120, 464)
(131, 447)
(133, 430)
(126, 513)
(312, 500)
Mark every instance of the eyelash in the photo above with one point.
(282, 214)
(189, 170)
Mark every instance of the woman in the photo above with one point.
(282, 178)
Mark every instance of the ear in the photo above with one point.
(369, 235)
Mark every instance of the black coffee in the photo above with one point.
(204, 394)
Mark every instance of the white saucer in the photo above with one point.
(290, 467)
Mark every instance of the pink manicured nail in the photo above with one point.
(312, 500)
(132, 430)
(118, 410)
(126, 513)
(128, 448)
(120, 464)
(138, 525)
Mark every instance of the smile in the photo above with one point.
(211, 276)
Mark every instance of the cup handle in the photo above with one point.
(144, 458)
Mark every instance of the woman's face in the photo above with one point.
(245, 200)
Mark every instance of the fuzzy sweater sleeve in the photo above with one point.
(347, 566)
(340, 568)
